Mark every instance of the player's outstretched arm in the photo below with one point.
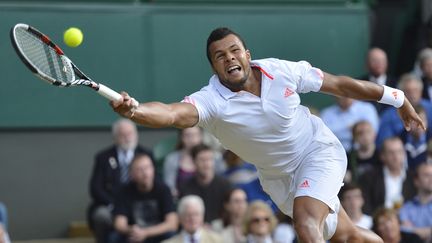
(364, 90)
(157, 114)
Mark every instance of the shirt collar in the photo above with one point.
(387, 174)
(227, 93)
(187, 236)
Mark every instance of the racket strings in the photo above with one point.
(43, 56)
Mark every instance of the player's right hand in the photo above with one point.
(124, 106)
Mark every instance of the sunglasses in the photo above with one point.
(258, 220)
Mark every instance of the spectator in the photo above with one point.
(230, 225)
(4, 237)
(3, 215)
(390, 124)
(284, 231)
(386, 225)
(342, 116)
(178, 165)
(205, 183)
(416, 214)
(259, 223)
(144, 209)
(416, 141)
(388, 184)
(377, 65)
(425, 59)
(364, 154)
(110, 172)
(245, 176)
(352, 201)
(191, 212)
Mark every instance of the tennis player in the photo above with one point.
(253, 108)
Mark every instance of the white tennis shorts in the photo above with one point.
(320, 176)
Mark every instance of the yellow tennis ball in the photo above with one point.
(73, 37)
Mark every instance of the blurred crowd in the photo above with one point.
(200, 192)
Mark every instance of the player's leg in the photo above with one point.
(346, 231)
(309, 216)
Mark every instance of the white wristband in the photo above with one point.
(392, 96)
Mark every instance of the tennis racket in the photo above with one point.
(48, 62)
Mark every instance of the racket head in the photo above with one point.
(42, 56)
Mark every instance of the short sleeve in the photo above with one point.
(205, 105)
(307, 78)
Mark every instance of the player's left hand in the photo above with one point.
(409, 117)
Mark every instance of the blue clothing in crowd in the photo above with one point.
(420, 215)
(3, 215)
(391, 125)
(245, 177)
(341, 121)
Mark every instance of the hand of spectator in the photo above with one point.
(137, 234)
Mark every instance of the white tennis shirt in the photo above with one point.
(270, 131)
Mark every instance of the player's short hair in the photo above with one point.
(219, 34)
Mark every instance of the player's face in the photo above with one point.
(230, 62)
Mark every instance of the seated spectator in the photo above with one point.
(425, 59)
(342, 116)
(245, 176)
(144, 209)
(205, 183)
(191, 214)
(230, 225)
(377, 65)
(364, 154)
(178, 165)
(386, 225)
(3, 215)
(4, 237)
(416, 214)
(284, 232)
(415, 141)
(259, 223)
(352, 201)
(388, 184)
(110, 172)
(390, 123)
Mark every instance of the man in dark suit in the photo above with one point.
(387, 184)
(110, 173)
(377, 65)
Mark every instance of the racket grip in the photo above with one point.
(108, 93)
(113, 95)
